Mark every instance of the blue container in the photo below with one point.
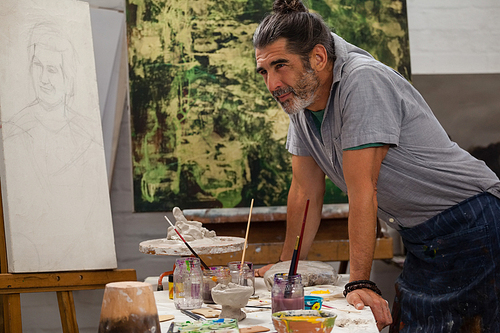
(312, 302)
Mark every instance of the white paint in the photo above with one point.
(454, 36)
(126, 296)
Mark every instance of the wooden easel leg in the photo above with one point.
(12, 321)
(67, 311)
(2, 328)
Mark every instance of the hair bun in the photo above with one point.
(288, 6)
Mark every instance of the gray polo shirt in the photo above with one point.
(423, 173)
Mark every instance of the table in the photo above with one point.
(348, 318)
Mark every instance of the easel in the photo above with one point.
(63, 283)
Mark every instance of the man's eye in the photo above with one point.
(52, 69)
(279, 66)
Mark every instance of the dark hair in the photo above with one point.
(302, 30)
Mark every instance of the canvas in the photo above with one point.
(205, 131)
(55, 195)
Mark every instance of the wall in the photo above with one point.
(454, 36)
(455, 61)
(443, 71)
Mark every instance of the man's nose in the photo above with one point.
(273, 82)
(44, 76)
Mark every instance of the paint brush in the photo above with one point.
(295, 259)
(296, 255)
(302, 233)
(246, 240)
(188, 246)
(246, 235)
(293, 268)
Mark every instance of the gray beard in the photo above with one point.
(303, 94)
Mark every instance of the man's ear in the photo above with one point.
(318, 58)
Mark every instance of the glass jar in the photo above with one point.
(187, 283)
(287, 293)
(212, 277)
(242, 275)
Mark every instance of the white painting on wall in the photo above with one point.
(55, 193)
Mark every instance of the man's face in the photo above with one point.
(48, 77)
(286, 78)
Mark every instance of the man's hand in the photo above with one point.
(259, 272)
(379, 306)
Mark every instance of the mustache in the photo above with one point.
(282, 91)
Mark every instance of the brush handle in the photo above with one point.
(293, 269)
(295, 258)
(289, 286)
(191, 249)
(293, 265)
(246, 235)
(303, 227)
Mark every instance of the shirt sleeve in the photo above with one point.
(293, 142)
(368, 145)
(370, 107)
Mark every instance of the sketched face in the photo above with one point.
(48, 77)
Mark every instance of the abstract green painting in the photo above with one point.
(205, 131)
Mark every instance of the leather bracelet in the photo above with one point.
(361, 284)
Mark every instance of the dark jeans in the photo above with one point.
(451, 277)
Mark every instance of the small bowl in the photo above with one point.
(299, 321)
(313, 302)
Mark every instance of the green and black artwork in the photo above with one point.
(205, 131)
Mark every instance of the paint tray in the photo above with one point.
(222, 325)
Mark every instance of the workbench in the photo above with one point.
(348, 318)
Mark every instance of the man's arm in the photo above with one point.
(361, 170)
(308, 182)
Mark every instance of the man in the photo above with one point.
(365, 127)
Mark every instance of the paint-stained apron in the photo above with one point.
(451, 277)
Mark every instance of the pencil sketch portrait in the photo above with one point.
(54, 135)
(58, 185)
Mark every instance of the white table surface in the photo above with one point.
(348, 318)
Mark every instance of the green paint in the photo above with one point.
(205, 131)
